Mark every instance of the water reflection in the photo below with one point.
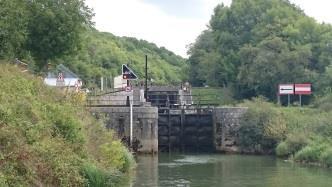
(147, 171)
(169, 170)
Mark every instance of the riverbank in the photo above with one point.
(47, 137)
(294, 133)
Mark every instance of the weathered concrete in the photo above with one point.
(226, 126)
(111, 99)
(145, 125)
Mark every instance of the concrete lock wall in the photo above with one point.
(145, 125)
(226, 126)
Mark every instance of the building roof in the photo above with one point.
(61, 69)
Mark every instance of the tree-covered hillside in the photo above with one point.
(102, 54)
(254, 45)
(43, 32)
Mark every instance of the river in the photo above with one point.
(216, 170)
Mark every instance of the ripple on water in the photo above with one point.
(189, 160)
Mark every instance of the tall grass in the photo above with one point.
(47, 137)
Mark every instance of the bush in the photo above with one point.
(308, 154)
(296, 141)
(326, 157)
(116, 156)
(283, 149)
(257, 132)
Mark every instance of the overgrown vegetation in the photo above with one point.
(47, 138)
(301, 134)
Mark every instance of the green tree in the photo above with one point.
(13, 23)
(55, 27)
(253, 45)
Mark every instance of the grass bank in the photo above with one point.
(212, 95)
(300, 134)
(47, 138)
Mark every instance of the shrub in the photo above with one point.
(308, 154)
(116, 156)
(313, 151)
(326, 157)
(256, 132)
(283, 149)
(296, 141)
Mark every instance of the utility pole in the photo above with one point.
(146, 78)
(131, 124)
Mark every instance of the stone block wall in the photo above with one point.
(145, 125)
(226, 126)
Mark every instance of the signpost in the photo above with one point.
(128, 89)
(128, 74)
(294, 89)
(286, 89)
(302, 89)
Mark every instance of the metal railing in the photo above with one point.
(158, 100)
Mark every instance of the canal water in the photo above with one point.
(175, 170)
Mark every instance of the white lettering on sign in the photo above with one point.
(286, 89)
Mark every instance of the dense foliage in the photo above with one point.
(254, 45)
(301, 134)
(43, 29)
(51, 32)
(48, 139)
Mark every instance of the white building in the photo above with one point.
(61, 76)
(119, 82)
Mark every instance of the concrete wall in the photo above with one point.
(145, 124)
(118, 98)
(226, 126)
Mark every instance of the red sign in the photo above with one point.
(128, 88)
(303, 89)
(60, 77)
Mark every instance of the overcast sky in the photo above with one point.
(174, 24)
